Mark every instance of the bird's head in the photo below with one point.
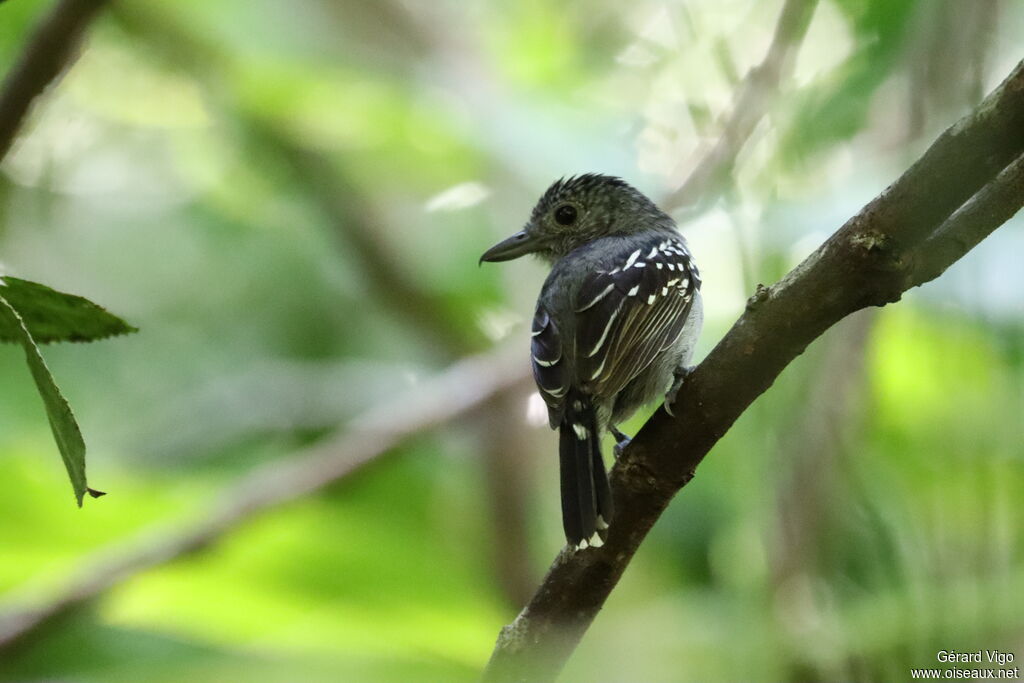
(577, 210)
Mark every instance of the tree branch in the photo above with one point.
(869, 261)
(710, 171)
(50, 50)
(974, 221)
(462, 388)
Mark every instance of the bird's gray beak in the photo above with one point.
(515, 246)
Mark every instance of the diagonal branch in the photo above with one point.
(710, 171)
(972, 222)
(869, 261)
(464, 387)
(357, 224)
(50, 50)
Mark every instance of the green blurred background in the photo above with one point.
(289, 199)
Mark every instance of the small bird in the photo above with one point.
(614, 328)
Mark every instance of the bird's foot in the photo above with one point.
(621, 441)
(680, 375)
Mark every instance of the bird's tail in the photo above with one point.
(586, 498)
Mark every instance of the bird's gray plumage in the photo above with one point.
(616, 320)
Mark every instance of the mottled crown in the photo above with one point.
(606, 205)
(588, 186)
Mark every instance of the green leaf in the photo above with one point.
(52, 316)
(62, 421)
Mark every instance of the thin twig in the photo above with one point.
(48, 53)
(465, 386)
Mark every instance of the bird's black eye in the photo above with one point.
(565, 214)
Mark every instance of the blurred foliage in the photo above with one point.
(835, 108)
(238, 179)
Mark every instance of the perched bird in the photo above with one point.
(614, 328)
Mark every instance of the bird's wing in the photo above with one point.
(631, 312)
(549, 368)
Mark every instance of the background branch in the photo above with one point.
(357, 226)
(712, 166)
(361, 230)
(48, 53)
(869, 261)
(812, 451)
(462, 388)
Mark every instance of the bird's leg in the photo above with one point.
(621, 441)
(680, 374)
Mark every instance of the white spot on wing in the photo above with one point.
(633, 291)
(632, 259)
(604, 335)
(597, 298)
(581, 431)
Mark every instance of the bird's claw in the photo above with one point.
(621, 441)
(680, 375)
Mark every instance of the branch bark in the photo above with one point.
(972, 222)
(465, 386)
(870, 261)
(47, 54)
